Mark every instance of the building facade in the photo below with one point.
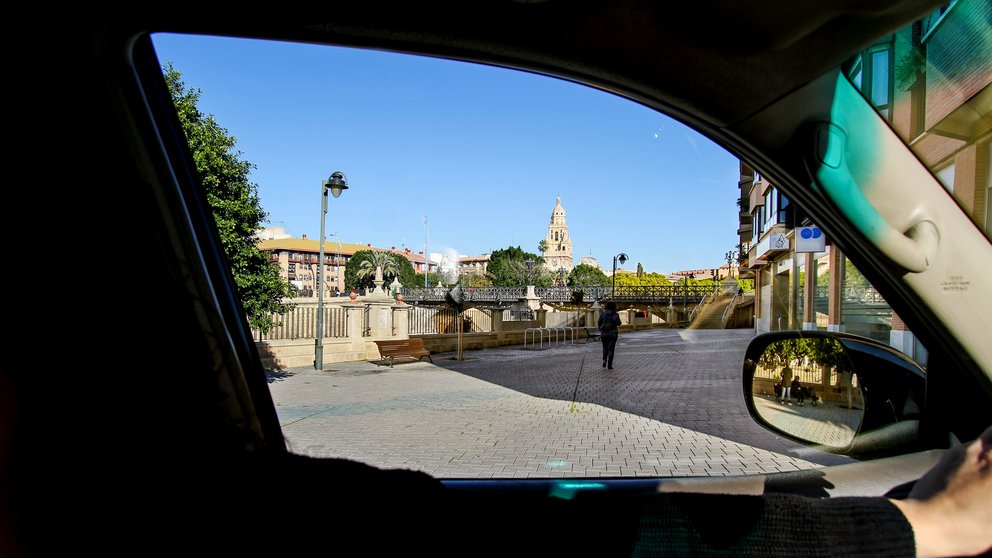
(931, 82)
(473, 265)
(298, 260)
(558, 245)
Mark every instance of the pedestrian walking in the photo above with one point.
(609, 331)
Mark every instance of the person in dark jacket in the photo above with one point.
(798, 391)
(609, 331)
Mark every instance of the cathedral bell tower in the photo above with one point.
(558, 254)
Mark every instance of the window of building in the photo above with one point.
(873, 74)
(936, 17)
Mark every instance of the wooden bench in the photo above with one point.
(592, 334)
(392, 349)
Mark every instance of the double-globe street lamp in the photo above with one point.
(623, 259)
(336, 183)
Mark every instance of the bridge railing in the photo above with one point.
(589, 293)
(470, 294)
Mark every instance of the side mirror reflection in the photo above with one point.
(808, 389)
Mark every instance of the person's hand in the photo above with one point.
(950, 507)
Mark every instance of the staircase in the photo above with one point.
(711, 314)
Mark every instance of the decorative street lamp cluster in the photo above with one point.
(731, 257)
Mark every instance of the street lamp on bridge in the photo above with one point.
(336, 183)
(623, 259)
(685, 289)
(731, 256)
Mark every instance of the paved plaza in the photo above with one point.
(673, 406)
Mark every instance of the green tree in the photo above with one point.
(509, 268)
(640, 270)
(359, 272)
(234, 201)
(542, 246)
(378, 264)
(585, 275)
(474, 280)
(432, 280)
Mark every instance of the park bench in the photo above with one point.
(592, 334)
(392, 349)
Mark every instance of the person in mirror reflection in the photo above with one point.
(797, 391)
(609, 332)
(786, 383)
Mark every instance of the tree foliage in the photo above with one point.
(509, 268)
(542, 246)
(645, 280)
(826, 352)
(359, 274)
(584, 275)
(474, 280)
(378, 263)
(234, 201)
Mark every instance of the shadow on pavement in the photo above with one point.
(691, 379)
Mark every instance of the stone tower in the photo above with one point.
(559, 252)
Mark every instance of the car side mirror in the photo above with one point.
(841, 393)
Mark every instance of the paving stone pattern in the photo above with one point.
(673, 406)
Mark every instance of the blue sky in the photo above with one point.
(481, 151)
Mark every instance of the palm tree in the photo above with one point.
(378, 263)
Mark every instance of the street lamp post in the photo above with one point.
(530, 266)
(623, 259)
(336, 183)
(685, 290)
(731, 255)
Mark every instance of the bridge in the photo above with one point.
(655, 295)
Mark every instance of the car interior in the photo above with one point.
(156, 435)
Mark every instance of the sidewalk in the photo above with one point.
(673, 406)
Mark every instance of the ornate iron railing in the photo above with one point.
(664, 293)
(470, 294)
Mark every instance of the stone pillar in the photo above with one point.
(380, 320)
(809, 294)
(496, 314)
(834, 317)
(401, 321)
(353, 317)
(630, 319)
(533, 301)
(540, 318)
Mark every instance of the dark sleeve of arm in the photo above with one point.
(393, 510)
(770, 525)
(603, 524)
